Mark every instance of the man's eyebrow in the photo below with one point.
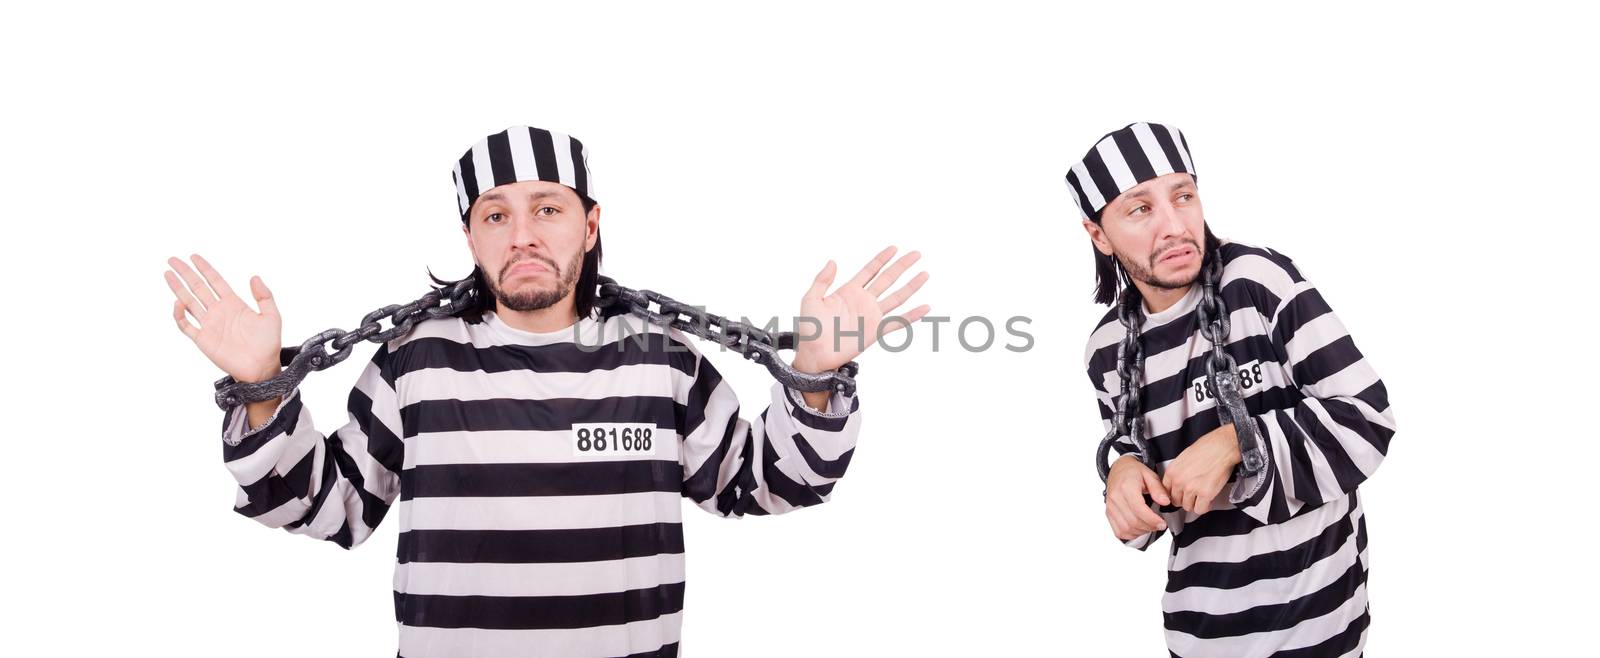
(1134, 195)
(536, 196)
(1181, 183)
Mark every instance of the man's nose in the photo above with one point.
(1169, 222)
(524, 230)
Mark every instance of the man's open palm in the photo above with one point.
(855, 306)
(240, 341)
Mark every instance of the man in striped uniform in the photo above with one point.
(1278, 567)
(537, 447)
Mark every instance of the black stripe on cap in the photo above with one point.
(1133, 155)
(1171, 150)
(1100, 175)
(544, 155)
(1186, 150)
(1076, 186)
(469, 178)
(504, 170)
(580, 167)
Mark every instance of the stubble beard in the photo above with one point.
(539, 298)
(1146, 273)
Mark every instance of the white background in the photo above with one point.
(1431, 170)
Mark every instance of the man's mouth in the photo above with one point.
(526, 267)
(1177, 253)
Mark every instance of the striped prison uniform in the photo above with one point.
(538, 478)
(1283, 573)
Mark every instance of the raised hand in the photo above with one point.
(239, 340)
(854, 306)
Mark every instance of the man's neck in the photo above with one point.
(545, 320)
(1156, 299)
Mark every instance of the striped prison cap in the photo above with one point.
(1124, 158)
(521, 153)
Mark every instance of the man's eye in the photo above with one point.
(493, 217)
(547, 210)
(1139, 209)
(1185, 196)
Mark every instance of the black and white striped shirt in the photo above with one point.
(1285, 572)
(538, 478)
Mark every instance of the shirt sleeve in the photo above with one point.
(336, 487)
(788, 458)
(1336, 435)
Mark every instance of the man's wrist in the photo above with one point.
(266, 374)
(805, 365)
(1228, 437)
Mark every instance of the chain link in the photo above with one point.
(1128, 417)
(1222, 373)
(752, 342)
(1222, 378)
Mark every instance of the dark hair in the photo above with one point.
(1110, 278)
(583, 298)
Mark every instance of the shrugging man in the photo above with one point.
(537, 448)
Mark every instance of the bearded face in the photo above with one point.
(530, 238)
(1154, 230)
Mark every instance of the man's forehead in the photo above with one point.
(1170, 181)
(532, 189)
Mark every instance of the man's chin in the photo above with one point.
(529, 297)
(1176, 280)
(526, 303)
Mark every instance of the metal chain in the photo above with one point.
(752, 342)
(756, 344)
(1222, 378)
(1222, 374)
(1128, 419)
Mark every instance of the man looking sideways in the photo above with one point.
(1269, 563)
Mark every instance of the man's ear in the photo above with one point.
(1097, 234)
(591, 228)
